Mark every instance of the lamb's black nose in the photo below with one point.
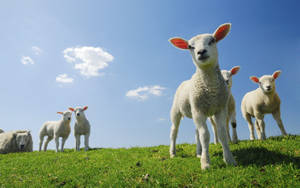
(78, 114)
(201, 52)
(268, 87)
(22, 146)
(69, 118)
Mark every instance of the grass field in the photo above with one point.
(271, 163)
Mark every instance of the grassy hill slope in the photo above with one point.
(272, 163)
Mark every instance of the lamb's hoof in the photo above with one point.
(172, 156)
(199, 156)
(205, 163)
(230, 161)
(235, 141)
(252, 138)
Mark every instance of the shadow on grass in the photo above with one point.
(261, 156)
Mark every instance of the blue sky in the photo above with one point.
(60, 54)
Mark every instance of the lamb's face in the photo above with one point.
(23, 139)
(204, 50)
(267, 83)
(67, 115)
(227, 77)
(79, 113)
(203, 47)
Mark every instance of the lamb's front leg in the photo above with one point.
(56, 138)
(63, 144)
(220, 120)
(198, 144)
(77, 138)
(86, 142)
(200, 122)
(276, 116)
(175, 118)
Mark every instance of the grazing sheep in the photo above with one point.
(15, 141)
(1, 131)
(263, 100)
(82, 127)
(227, 75)
(204, 95)
(56, 129)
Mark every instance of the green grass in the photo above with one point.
(271, 163)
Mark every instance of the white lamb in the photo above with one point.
(227, 75)
(204, 95)
(15, 141)
(263, 100)
(82, 127)
(56, 129)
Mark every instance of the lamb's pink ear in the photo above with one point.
(276, 74)
(222, 31)
(72, 109)
(85, 108)
(254, 79)
(234, 70)
(60, 113)
(179, 43)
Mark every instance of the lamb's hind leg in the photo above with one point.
(220, 120)
(216, 141)
(200, 122)
(175, 118)
(41, 142)
(251, 126)
(47, 142)
(276, 116)
(233, 125)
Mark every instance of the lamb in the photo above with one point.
(56, 129)
(227, 75)
(1, 131)
(82, 127)
(16, 141)
(204, 95)
(263, 100)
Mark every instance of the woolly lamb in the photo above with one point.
(204, 95)
(263, 100)
(56, 129)
(15, 141)
(82, 127)
(227, 75)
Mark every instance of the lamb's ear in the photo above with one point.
(179, 43)
(60, 113)
(276, 74)
(72, 109)
(234, 70)
(222, 31)
(254, 79)
(85, 108)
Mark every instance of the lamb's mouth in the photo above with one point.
(203, 58)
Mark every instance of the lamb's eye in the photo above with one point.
(227, 82)
(212, 40)
(191, 47)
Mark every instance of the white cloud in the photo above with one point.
(25, 60)
(36, 50)
(63, 78)
(161, 119)
(88, 60)
(142, 93)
